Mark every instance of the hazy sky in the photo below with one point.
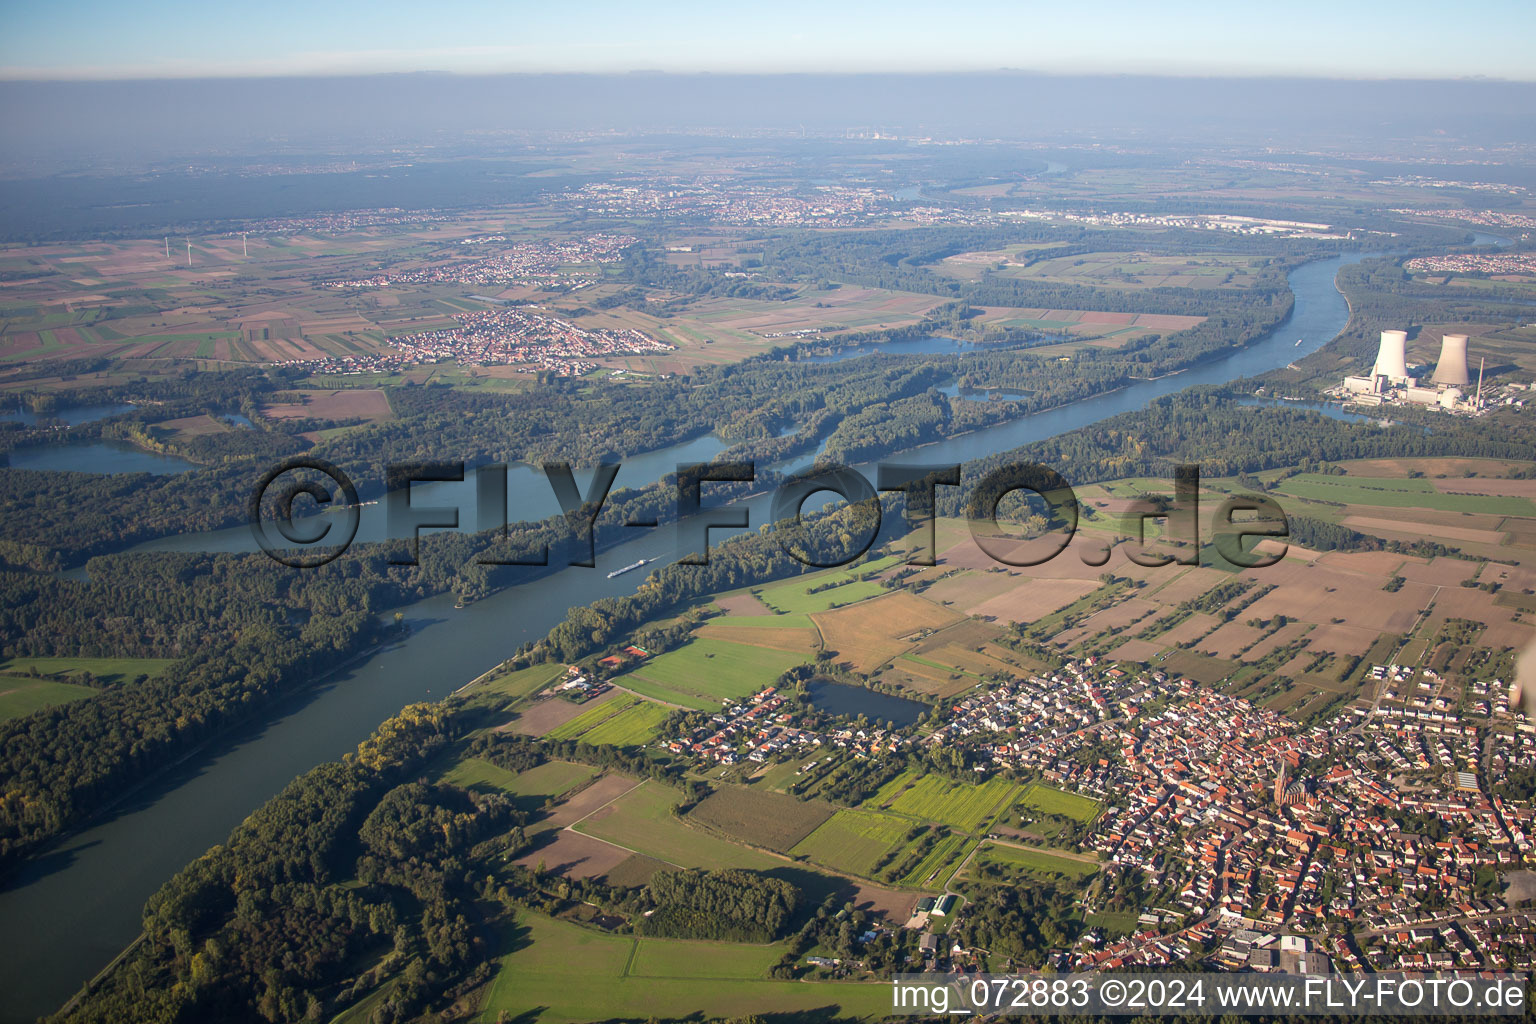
(1348, 38)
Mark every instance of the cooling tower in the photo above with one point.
(1392, 359)
(1452, 367)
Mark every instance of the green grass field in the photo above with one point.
(888, 792)
(594, 716)
(552, 778)
(1039, 863)
(1393, 492)
(562, 973)
(935, 868)
(480, 776)
(768, 621)
(1120, 270)
(854, 840)
(109, 670)
(666, 694)
(20, 696)
(760, 816)
(680, 958)
(642, 820)
(362, 1012)
(958, 804)
(792, 598)
(712, 671)
(522, 682)
(1054, 801)
(634, 726)
(1114, 922)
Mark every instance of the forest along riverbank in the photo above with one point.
(68, 913)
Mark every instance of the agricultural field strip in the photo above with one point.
(854, 839)
(1035, 860)
(635, 724)
(1391, 492)
(616, 798)
(937, 665)
(941, 856)
(760, 818)
(718, 669)
(624, 972)
(20, 696)
(594, 716)
(933, 798)
(1054, 801)
(661, 835)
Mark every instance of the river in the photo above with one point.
(65, 915)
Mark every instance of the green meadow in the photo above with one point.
(1054, 801)
(1394, 492)
(562, 973)
(705, 672)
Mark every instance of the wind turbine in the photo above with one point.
(189, 252)
(243, 246)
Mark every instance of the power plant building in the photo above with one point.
(1392, 356)
(1372, 385)
(1452, 367)
(1391, 382)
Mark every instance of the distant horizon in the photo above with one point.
(7, 79)
(53, 125)
(1370, 40)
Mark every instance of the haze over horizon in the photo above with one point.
(91, 126)
(1307, 38)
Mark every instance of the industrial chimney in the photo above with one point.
(1452, 367)
(1392, 358)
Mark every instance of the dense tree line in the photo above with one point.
(1321, 535)
(1021, 923)
(62, 763)
(166, 604)
(730, 905)
(261, 929)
